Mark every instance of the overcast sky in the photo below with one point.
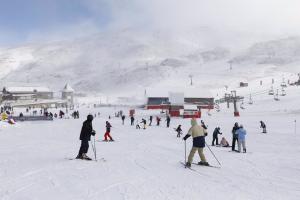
(29, 20)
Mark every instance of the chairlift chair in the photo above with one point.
(283, 93)
(242, 105)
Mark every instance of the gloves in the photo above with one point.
(93, 133)
(205, 134)
(186, 137)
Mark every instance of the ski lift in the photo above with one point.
(250, 100)
(271, 91)
(283, 84)
(283, 93)
(242, 105)
(217, 107)
(276, 98)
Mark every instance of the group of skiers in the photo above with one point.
(198, 133)
(85, 136)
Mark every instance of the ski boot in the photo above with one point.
(244, 151)
(85, 157)
(203, 163)
(188, 164)
(79, 157)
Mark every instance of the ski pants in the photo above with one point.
(132, 123)
(150, 123)
(215, 138)
(168, 124)
(107, 135)
(84, 147)
(242, 143)
(234, 140)
(264, 130)
(192, 153)
(178, 134)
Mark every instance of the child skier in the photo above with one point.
(241, 138)
(85, 137)
(178, 130)
(132, 120)
(198, 133)
(215, 136)
(150, 119)
(158, 120)
(107, 133)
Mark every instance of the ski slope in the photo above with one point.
(145, 164)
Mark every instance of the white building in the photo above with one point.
(68, 94)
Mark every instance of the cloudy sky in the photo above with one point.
(24, 21)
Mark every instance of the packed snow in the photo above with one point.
(145, 164)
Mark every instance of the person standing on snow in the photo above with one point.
(234, 135)
(123, 119)
(150, 119)
(132, 120)
(241, 132)
(198, 133)
(168, 121)
(85, 137)
(215, 136)
(157, 121)
(178, 130)
(144, 122)
(107, 133)
(263, 126)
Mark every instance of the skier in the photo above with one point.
(168, 121)
(224, 142)
(241, 132)
(107, 133)
(198, 133)
(123, 119)
(215, 136)
(144, 122)
(157, 121)
(178, 130)
(150, 119)
(263, 126)
(234, 135)
(132, 120)
(85, 137)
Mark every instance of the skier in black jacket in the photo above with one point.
(132, 120)
(215, 136)
(168, 121)
(234, 135)
(85, 137)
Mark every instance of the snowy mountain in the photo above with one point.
(120, 61)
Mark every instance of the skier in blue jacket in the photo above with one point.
(241, 132)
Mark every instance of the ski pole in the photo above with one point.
(213, 154)
(95, 151)
(184, 151)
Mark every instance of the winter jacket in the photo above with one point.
(262, 125)
(216, 132)
(198, 133)
(234, 129)
(86, 131)
(108, 126)
(241, 132)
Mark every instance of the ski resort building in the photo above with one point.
(68, 94)
(26, 93)
(175, 99)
